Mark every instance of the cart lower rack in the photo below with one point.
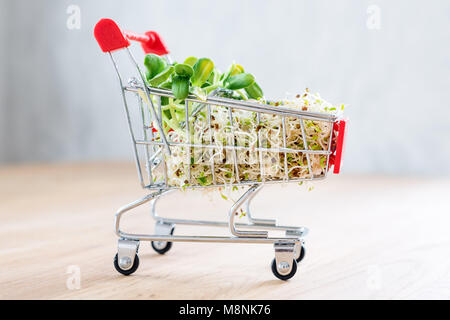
(218, 152)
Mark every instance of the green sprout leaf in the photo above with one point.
(254, 91)
(161, 77)
(233, 70)
(180, 87)
(154, 64)
(237, 69)
(202, 70)
(240, 81)
(184, 70)
(190, 61)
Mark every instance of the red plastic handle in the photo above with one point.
(151, 42)
(110, 38)
(340, 128)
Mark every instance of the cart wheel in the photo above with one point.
(162, 246)
(129, 271)
(301, 255)
(284, 276)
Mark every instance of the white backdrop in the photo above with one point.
(388, 60)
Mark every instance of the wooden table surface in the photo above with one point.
(371, 237)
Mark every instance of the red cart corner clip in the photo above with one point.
(336, 158)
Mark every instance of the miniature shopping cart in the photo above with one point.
(152, 147)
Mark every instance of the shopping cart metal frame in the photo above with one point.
(289, 250)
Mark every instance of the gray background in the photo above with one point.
(60, 101)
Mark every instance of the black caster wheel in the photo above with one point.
(301, 255)
(129, 271)
(162, 246)
(286, 276)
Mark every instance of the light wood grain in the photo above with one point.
(371, 237)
